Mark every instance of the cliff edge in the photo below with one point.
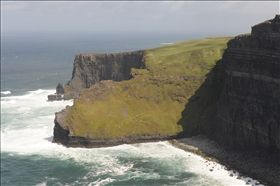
(231, 93)
(241, 108)
(90, 69)
(248, 111)
(144, 108)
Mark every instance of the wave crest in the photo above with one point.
(5, 92)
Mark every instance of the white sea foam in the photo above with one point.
(27, 121)
(28, 129)
(42, 184)
(101, 182)
(219, 172)
(5, 92)
(37, 91)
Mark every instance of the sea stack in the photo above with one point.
(58, 95)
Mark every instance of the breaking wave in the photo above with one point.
(5, 92)
(27, 132)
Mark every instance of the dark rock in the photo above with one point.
(60, 133)
(90, 69)
(248, 109)
(55, 97)
(52, 97)
(59, 95)
(59, 89)
(243, 98)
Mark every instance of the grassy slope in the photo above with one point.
(152, 102)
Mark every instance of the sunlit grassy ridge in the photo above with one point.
(151, 103)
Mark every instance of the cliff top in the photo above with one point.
(90, 55)
(142, 105)
(267, 27)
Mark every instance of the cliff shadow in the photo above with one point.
(200, 110)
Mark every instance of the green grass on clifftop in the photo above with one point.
(150, 103)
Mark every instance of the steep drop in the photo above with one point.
(92, 68)
(248, 111)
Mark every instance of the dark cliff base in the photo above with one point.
(259, 163)
(82, 142)
(62, 136)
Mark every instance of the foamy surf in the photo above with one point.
(27, 131)
(5, 92)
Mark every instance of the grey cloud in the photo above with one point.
(156, 16)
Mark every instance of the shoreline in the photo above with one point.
(246, 164)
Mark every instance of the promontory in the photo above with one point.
(227, 88)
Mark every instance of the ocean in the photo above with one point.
(32, 64)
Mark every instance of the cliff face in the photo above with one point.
(145, 108)
(92, 68)
(248, 111)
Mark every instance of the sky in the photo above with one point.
(209, 17)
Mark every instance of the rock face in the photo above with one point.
(138, 110)
(92, 68)
(248, 111)
(59, 89)
(59, 94)
(60, 133)
(242, 108)
(238, 105)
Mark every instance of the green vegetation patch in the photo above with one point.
(150, 103)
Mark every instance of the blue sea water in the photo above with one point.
(31, 66)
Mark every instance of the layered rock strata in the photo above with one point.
(92, 68)
(248, 111)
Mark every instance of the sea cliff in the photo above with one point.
(235, 100)
(248, 112)
(144, 108)
(244, 109)
(225, 88)
(243, 114)
(90, 69)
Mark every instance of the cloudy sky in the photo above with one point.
(224, 18)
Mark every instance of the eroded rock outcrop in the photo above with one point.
(59, 89)
(58, 95)
(92, 68)
(248, 111)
